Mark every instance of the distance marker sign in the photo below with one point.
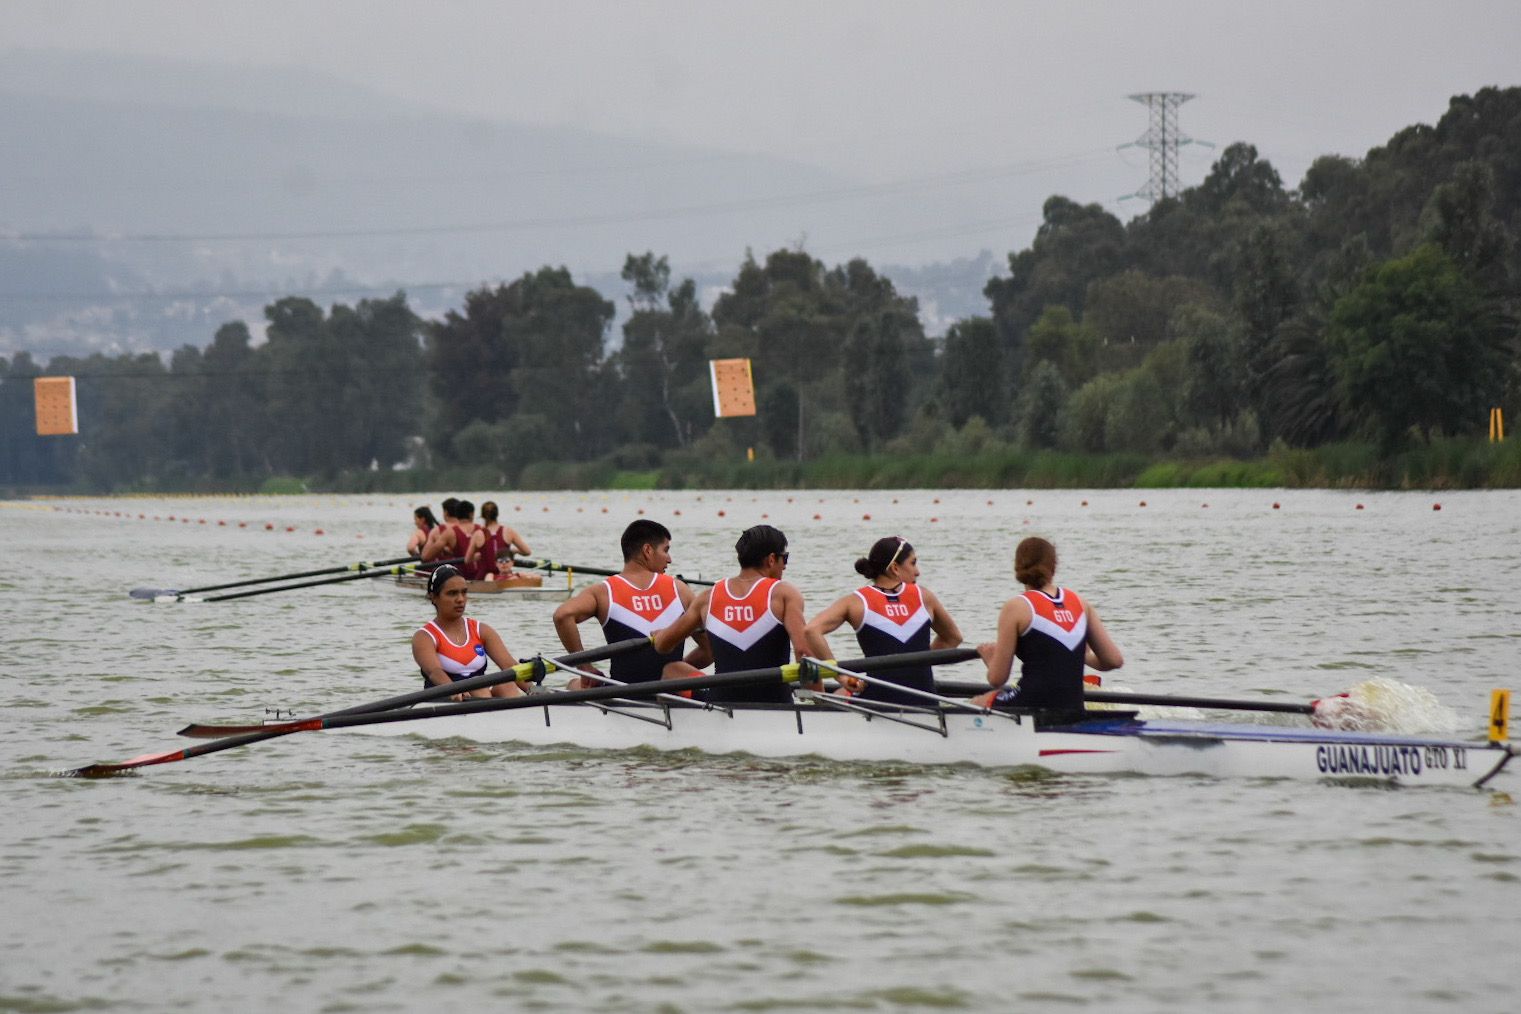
(733, 387)
(57, 412)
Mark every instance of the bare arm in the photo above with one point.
(836, 613)
(433, 548)
(514, 543)
(667, 638)
(790, 602)
(947, 634)
(1102, 653)
(1013, 619)
(473, 551)
(425, 654)
(572, 613)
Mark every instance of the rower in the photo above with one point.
(423, 523)
(1052, 632)
(891, 615)
(634, 603)
(753, 620)
(442, 536)
(451, 646)
(456, 534)
(489, 555)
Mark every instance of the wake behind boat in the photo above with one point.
(1103, 743)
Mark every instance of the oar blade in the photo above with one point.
(197, 731)
(103, 770)
(151, 594)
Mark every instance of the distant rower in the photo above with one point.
(489, 555)
(423, 523)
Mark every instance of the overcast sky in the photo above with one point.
(876, 90)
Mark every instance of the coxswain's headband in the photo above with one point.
(901, 543)
(439, 576)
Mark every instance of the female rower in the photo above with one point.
(451, 647)
(1052, 632)
(424, 522)
(892, 615)
(489, 555)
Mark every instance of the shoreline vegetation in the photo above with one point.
(1442, 464)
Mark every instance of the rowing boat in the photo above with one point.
(1104, 743)
(527, 587)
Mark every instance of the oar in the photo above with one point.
(787, 673)
(406, 568)
(550, 565)
(533, 668)
(155, 593)
(1164, 700)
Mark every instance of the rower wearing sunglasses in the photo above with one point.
(753, 620)
(891, 615)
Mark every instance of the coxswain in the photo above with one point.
(423, 523)
(753, 620)
(492, 547)
(452, 646)
(892, 615)
(636, 602)
(1052, 632)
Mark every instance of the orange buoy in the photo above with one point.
(1436, 506)
(1275, 505)
(865, 517)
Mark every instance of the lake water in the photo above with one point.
(337, 872)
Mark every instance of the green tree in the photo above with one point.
(973, 381)
(1415, 347)
(1060, 340)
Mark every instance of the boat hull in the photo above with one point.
(1099, 746)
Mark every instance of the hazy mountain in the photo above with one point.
(223, 187)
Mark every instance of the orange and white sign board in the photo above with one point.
(733, 387)
(57, 411)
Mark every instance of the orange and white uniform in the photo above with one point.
(459, 661)
(894, 622)
(637, 612)
(1051, 653)
(745, 633)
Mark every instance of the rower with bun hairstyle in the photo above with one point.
(891, 615)
(451, 646)
(492, 546)
(1052, 632)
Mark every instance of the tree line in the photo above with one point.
(1377, 301)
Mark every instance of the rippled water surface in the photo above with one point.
(338, 872)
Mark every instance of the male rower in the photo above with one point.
(634, 603)
(753, 620)
(442, 534)
(454, 534)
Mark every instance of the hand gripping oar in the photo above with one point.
(786, 673)
(156, 593)
(533, 668)
(1164, 700)
(406, 568)
(550, 565)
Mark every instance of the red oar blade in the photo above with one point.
(108, 770)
